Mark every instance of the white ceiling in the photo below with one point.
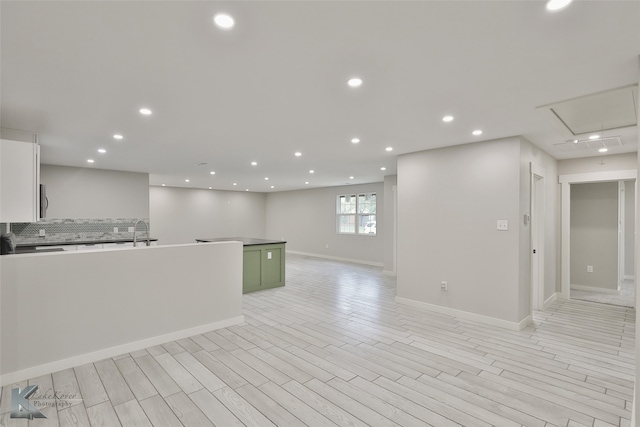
(76, 72)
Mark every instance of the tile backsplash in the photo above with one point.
(69, 230)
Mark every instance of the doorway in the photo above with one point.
(587, 281)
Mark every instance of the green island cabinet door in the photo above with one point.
(263, 267)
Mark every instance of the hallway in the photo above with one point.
(625, 298)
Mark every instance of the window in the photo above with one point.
(356, 214)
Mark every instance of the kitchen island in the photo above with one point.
(79, 307)
(263, 262)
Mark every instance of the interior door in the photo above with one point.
(537, 238)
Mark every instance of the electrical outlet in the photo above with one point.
(115, 229)
(503, 225)
(444, 286)
(42, 233)
(268, 255)
(589, 268)
(326, 246)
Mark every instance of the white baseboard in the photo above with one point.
(523, 323)
(514, 326)
(335, 258)
(59, 365)
(550, 300)
(594, 289)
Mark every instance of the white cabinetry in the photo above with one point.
(63, 247)
(143, 243)
(117, 245)
(19, 181)
(89, 247)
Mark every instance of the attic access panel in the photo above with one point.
(613, 109)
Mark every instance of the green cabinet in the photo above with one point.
(262, 264)
(263, 267)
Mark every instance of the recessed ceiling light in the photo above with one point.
(164, 185)
(351, 177)
(117, 136)
(145, 111)
(389, 149)
(266, 178)
(90, 161)
(186, 180)
(246, 189)
(209, 188)
(594, 137)
(354, 82)
(476, 132)
(383, 168)
(212, 173)
(254, 163)
(101, 150)
(355, 140)
(575, 141)
(312, 171)
(224, 20)
(306, 182)
(273, 186)
(553, 5)
(447, 119)
(235, 183)
(297, 154)
(603, 150)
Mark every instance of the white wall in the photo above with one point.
(64, 309)
(594, 234)
(613, 162)
(95, 193)
(306, 219)
(389, 242)
(636, 394)
(449, 200)
(180, 215)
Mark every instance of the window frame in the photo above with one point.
(354, 213)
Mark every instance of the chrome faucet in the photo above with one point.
(135, 230)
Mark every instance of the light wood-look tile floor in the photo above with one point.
(333, 348)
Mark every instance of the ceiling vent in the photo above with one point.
(598, 112)
(589, 144)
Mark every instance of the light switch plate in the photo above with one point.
(503, 225)
(42, 233)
